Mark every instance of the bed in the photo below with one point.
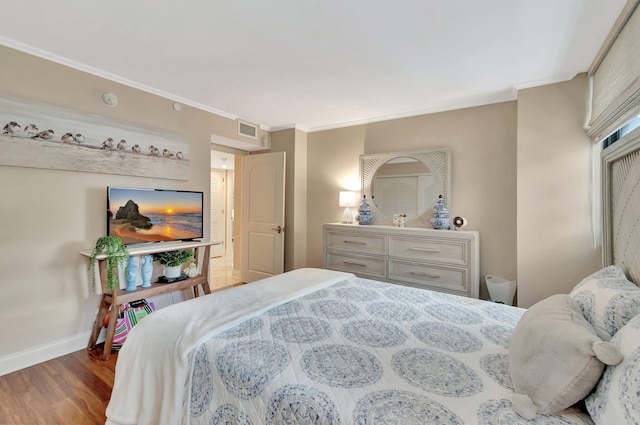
(323, 347)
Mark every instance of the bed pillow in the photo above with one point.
(555, 357)
(615, 400)
(607, 300)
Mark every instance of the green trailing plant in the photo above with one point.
(116, 255)
(174, 258)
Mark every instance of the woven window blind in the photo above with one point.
(615, 76)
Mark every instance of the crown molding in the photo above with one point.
(25, 48)
(498, 98)
(543, 82)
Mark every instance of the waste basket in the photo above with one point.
(500, 290)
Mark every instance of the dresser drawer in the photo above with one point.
(438, 278)
(369, 266)
(424, 249)
(359, 243)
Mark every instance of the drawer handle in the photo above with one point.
(351, 263)
(417, 248)
(355, 242)
(433, 275)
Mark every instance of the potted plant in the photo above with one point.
(116, 255)
(172, 261)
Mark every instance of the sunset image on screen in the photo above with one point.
(141, 215)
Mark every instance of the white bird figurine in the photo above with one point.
(44, 135)
(122, 145)
(166, 153)
(12, 129)
(67, 138)
(179, 155)
(154, 151)
(31, 130)
(78, 138)
(191, 270)
(136, 148)
(108, 143)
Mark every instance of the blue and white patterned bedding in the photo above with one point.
(363, 352)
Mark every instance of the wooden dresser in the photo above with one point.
(440, 260)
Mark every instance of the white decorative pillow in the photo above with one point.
(555, 357)
(607, 300)
(615, 400)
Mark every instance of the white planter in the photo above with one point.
(171, 272)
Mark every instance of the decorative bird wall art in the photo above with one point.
(12, 129)
(31, 131)
(67, 138)
(44, 135)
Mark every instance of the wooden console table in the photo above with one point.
(122, 296)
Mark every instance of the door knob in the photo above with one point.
(279, 229)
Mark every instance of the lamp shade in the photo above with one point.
(347, 199)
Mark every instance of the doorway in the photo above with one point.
(222, 220)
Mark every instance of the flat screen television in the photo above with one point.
(139, 215)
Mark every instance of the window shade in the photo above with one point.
(615, 76)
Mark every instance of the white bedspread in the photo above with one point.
(157, 358)
(324, 348)
(362, 352)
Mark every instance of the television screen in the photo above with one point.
(154, 215)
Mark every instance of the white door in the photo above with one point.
(262, 216)
(218, 201)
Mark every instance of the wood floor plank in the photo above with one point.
(72, 389)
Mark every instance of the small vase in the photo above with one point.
(132, 270)
(440, 219)
(364, 212)
(171, 272)
(147, 270)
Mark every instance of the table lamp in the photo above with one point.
(347, 200)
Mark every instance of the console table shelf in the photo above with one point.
(122, 296)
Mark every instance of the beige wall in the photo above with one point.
(333, 161)
(294, 143)
(49, 216)
(483, 146)
(555, 248)
(521, 175)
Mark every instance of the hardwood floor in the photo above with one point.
(72, 389)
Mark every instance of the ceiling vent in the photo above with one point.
(247, 130)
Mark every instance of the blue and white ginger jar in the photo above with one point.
(364, 212)
(440, 219)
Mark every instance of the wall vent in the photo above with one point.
(247, 130)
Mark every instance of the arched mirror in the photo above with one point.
(406, 183)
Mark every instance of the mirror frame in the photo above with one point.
(437, 160)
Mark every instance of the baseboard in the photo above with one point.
(42, 353)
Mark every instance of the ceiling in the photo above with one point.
(318, 64)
